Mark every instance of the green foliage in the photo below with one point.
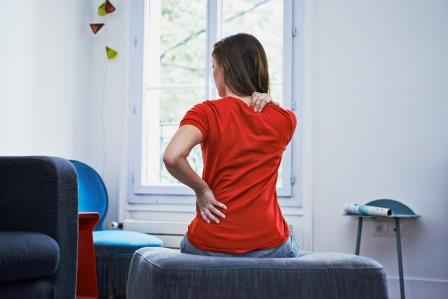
(183, 54)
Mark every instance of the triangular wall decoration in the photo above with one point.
(96, 27)
(111, 53)
(106, 8)
(110, 8)
(102, 10)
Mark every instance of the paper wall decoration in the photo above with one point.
(106, 8)
(96, 27)
(102, 10)
(110, 8)
(111, 53)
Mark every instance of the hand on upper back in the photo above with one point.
(259, 100)
(207, 205)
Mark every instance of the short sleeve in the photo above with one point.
(197, 116)
(293, 122)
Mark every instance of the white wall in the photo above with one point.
(58, 92)
(373, 111)
(44, 78)
(108, 108)
(380, 120)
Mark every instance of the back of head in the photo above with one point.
(244, 63)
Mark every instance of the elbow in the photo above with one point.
(170, 159)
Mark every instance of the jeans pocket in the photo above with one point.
(284, 250)
(182, 245)
(294, 246)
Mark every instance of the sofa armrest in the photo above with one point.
(40, 194)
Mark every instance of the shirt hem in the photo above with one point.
(220, 250)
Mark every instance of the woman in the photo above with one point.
(236, 201)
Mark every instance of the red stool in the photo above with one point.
(86, 277)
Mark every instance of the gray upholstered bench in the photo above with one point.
(167, 273)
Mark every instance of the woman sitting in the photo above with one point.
(243, 136)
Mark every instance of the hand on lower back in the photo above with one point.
(208, 206)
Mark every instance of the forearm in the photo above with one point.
(182, 171)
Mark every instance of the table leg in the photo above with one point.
(358, 237)
(86, 287)
(400, 262)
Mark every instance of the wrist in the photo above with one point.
(201, 189)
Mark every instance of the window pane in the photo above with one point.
(264, 20)
(175, 68)
(174, 76)
(159, 126)
(176, 42)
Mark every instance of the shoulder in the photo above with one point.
(210, 107)
(286, 113)
(203, 108)
(291, 117)
(205, 105)
(285, 119)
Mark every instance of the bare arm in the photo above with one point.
(175, 159)
(176, 153)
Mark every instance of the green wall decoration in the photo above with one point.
(104, 9)
(111, 53)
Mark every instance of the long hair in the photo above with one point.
(244, 64)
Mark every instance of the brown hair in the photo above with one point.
(244, 63)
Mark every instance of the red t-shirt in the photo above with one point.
(241, 151)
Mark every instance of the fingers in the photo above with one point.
(209, 216)
(264, 100)
(217, 212)
(255, 100)
(208, 213)
(259, 100)
(204, 216)
(219, 204)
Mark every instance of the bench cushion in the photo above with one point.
(166, 273)
(27, 255)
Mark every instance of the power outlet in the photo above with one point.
(380, 229)
(391, 230)
(386, 229)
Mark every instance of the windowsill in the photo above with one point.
(188, 200)
(188, 208)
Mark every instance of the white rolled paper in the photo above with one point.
(359, 209)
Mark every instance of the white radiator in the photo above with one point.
(170, 232)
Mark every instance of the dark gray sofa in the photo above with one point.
(38, 227)
(167, 273)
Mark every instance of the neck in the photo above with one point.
(229, 93)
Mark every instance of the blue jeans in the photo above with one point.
(290, 248)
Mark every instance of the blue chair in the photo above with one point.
(114, 248)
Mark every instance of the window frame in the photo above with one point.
(183, 194)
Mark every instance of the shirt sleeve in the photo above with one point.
(293, 123)
(197, 116)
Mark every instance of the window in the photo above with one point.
(171, 71)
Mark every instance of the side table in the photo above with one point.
(86, 278)
(399, 211)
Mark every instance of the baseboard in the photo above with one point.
(418, 288)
